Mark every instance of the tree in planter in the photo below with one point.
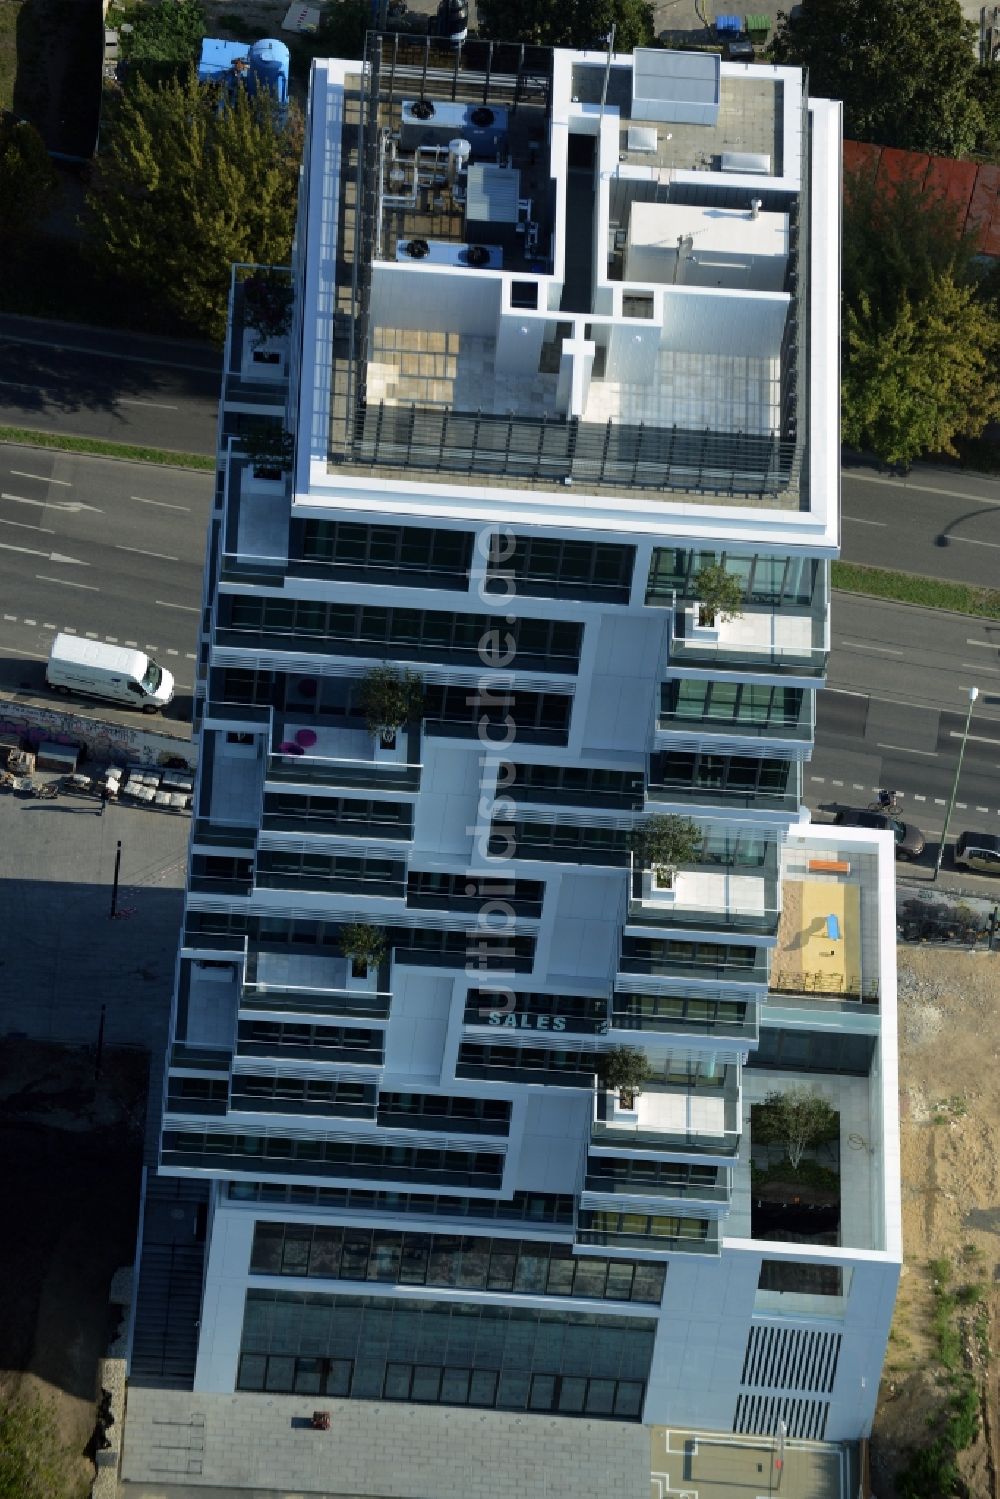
(363, 945)
(797, 1117)
(719, 593)
(663, 842)
(624, 1071)
(267, 305)
(269, 448)
(389, 699)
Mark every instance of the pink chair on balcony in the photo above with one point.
(305, 738)
(288, 747)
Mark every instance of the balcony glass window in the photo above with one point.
(767, 579)
(545, 644)
(415, 551)
(517, 1358)
(739, 775)
(562, 842)
(731, 702)
(330, 1157)
(536, 717)
(524, 1207)
(573, 1069)
(552, 567)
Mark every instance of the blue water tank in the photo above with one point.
(269, 67)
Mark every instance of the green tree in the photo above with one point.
(921, 375)
(187, 185)
(165, 39)
(33, 1461)
(28, 184)
(905, 70)
(720, 594)
(363, 944)
(568, 23)
(665, 840)
(797, 1118)
(899, 242)
(624, 1071)
(389, 698)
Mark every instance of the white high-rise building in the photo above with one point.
(563, 348)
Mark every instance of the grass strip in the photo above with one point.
(101, 449)
(910, 588)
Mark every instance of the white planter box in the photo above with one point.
(255, 363)
(703, 634)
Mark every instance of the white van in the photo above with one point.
(110, 671)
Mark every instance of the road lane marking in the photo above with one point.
(159, 556)
(151, 647)
(26, 621)
(160, 405)
(918, 798)
(905, 749)
(111, 639)
(987, 645)
(994, 671)
(190, 656)
(939, 801)
(982, 809)
(860, 521)
(91, 634)
(133, 643)
(171, 652)
(859, 645)
(836, 783)
(163, 504)
(972, 542)
(12, 650)
(72, 507)
(975, 738)
(962, 807)
(189, 608)
(67, 583)
(45, 343)
(42, 478)
(48, 625)
(954, 494)
(23, 525)
(11, 618)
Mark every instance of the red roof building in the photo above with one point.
(972, 189)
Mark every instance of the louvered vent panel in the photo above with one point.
(791, 1358)
(758, 1415)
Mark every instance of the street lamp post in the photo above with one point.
(973, 694)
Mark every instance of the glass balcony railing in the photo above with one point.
(709, 896)
(315, 1001)
(692, 1014)
(699, 1118)
(652, 1237)
(320, 750)
(603, 1177)
(714, 793)
(779, 641)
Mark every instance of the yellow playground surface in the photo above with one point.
(819, 936)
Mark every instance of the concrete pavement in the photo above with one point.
(122, 387)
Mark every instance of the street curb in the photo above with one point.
(26, 437)
(932, 609)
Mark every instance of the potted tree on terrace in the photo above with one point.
(660, 844)
(389, 699)
(624, 1071)
(267, 310)
(364, 946)
(720, 597)
(270, 450)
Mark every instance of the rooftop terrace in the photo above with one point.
(537, 288)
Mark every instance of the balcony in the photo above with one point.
(312, 984)
(715, 1015)
(827, 948)
(773, 715)
(703, 962)
(256, 367)
(693, 1120)
(711, 789)
(647, 1232)
(255, 525)
(317, 750)
(772, 641)
(656, 1182)
(706, 898)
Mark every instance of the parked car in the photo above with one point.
(910, 841)
(979, 851)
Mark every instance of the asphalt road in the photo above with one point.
(941, 522)
(110, 550)
(93, 382)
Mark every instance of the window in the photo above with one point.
(766, 579)
(725, 775)
(338, 814)
(448, 1352)
(557, 567)
(465, 892)
(736, 703)
(562, 842)
(801, 1278)
(572, 785)
(432, 1111)
(528, 717)
(646, 955)
(523, 1207)
(331, 1157)
(424, 557)
(417, 634)
(573, 1013)
(571, 1069)
(688, 1012)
